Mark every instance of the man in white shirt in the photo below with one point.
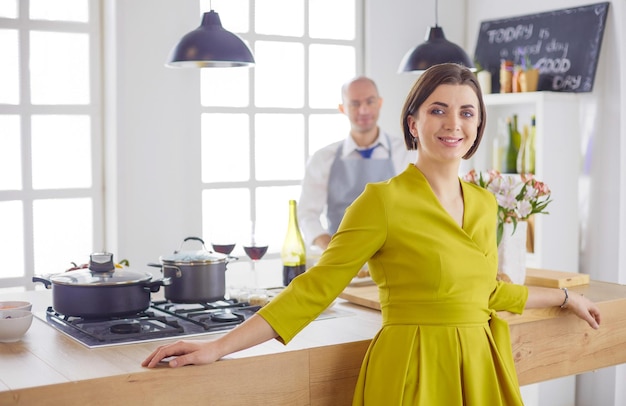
(336, 174)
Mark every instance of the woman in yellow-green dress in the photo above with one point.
(430, 243)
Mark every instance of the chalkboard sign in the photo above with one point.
(563, 44)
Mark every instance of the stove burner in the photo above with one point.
(162, 320)
(126, 328)
(226, 317)
(220, 315)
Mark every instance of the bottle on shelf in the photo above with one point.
(522, 154)
(530, 147)
(515, 140)
(526, 155)
(293, 253)
(499, 147)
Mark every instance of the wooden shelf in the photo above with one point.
(557, 163)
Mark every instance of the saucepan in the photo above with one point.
(101, 289)
(197, 275)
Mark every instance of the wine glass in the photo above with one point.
(255, 250)
(223, 248)
(222, 241)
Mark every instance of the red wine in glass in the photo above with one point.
(255, 252)
(223, 248)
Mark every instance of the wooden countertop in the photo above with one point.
(47, 367)
(319, 367)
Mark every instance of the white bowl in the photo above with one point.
(14, 324)
(15, 305)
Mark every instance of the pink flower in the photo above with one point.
(471, 176)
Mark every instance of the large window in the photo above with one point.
(50, 177)
(259, 125)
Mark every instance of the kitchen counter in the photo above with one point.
(319, 367)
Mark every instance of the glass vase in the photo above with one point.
(512, 252)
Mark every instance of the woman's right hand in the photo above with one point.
(183, 353)
(251, 332)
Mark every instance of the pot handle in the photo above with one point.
(45, 280)
(191, 238)
(155, 285)
(178, 272)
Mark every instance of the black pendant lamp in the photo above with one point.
(435, 50)
(210, 46)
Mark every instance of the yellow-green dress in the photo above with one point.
(441, 342)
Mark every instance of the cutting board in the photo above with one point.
(368, 295)
(362, 295)
(554, 279)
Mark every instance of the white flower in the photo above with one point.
(518, 196)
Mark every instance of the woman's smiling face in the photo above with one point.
(446, 123)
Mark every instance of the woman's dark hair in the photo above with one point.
(443, 74)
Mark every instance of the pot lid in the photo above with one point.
(101, 271)
(199, 257)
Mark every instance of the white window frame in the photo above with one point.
(251, 37)
(25, 110)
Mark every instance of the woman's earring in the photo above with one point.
(415, 140)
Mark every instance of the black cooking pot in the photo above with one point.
(197, 276)
(101, 289)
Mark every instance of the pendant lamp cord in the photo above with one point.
(436, 13)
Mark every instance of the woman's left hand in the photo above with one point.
(584, 308)
(576, 303)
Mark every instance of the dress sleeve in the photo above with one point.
(509, 297)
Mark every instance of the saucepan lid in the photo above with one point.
(101, 271)
(194, 257)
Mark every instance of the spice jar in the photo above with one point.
(506, 76)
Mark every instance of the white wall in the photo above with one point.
(151, 127)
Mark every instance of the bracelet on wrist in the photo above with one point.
(564, 304)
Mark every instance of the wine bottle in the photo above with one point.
(530, 148)
(293, 253)
(522, 154)
(499, 147)
(515, 139)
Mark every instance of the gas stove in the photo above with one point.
(162, 320)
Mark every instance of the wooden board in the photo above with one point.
(368, 295)
(555, 279)
(362, 295)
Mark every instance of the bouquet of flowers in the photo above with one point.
(518, 196)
